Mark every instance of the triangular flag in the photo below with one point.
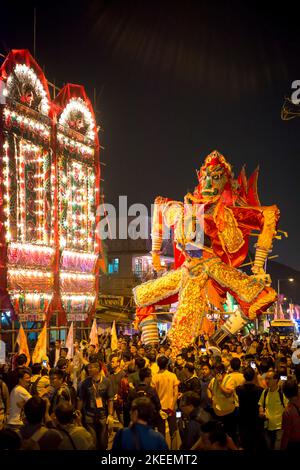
(40, 350)
(114, 338)
(94, 334)
(291, 311)
(207, 327)
(281, 314)
(70, 342)
(23, 345)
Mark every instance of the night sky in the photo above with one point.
(174, 81)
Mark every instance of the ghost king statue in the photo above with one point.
(211, 233)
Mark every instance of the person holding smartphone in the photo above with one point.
(40, 381)
(193, 416)
(272, 405)
(221, 392)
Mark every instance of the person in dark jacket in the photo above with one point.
(179, 368)
(140, 435)
(191, 382)
(249, 422)
(291, 416)
(133, 378)
(144, 389)
(193, 417)
(34, 434)
(205, 378)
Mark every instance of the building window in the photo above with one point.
(138, 267)
(113, 266)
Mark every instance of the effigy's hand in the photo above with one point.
(261, 276)
(257, 270)
(156, 262)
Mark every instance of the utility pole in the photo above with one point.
(34, 32)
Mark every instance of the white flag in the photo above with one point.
(94, 334)
(114, 338)
(70, 342)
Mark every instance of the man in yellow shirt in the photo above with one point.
(166, 385)
(221, 392)
(272, 404)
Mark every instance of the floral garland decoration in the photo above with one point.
(26, 75)
(77, 107)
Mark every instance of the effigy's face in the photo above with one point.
(213, 180)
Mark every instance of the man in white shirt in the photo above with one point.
(235, 377)
(18, 397)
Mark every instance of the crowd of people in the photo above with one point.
(244, 396)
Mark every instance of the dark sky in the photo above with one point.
(175, 80)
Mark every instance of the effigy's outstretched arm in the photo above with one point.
(166, 213)
(154, 291)
(265, 239)
(157, 231)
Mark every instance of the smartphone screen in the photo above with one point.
(253, 365)
(178, 414)
(283, 377)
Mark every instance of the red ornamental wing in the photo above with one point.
(243, 184)
(252, 195)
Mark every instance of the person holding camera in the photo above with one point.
(95, 399)
(221, 392)
(74, 435)
(36, 433)
(193, 417)
(139, 435)
(272, 404)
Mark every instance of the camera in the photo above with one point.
(178, 414)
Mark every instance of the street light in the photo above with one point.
(290, 279)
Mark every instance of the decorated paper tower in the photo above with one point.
(27, 176)
(49, 192)
(77, 151)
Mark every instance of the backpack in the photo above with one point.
(143, 393)
(33, 387)
(64, 431)
(32, 443)
(266, 391)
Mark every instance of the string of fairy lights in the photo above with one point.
(30, 181)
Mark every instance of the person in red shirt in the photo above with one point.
(291, 416)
